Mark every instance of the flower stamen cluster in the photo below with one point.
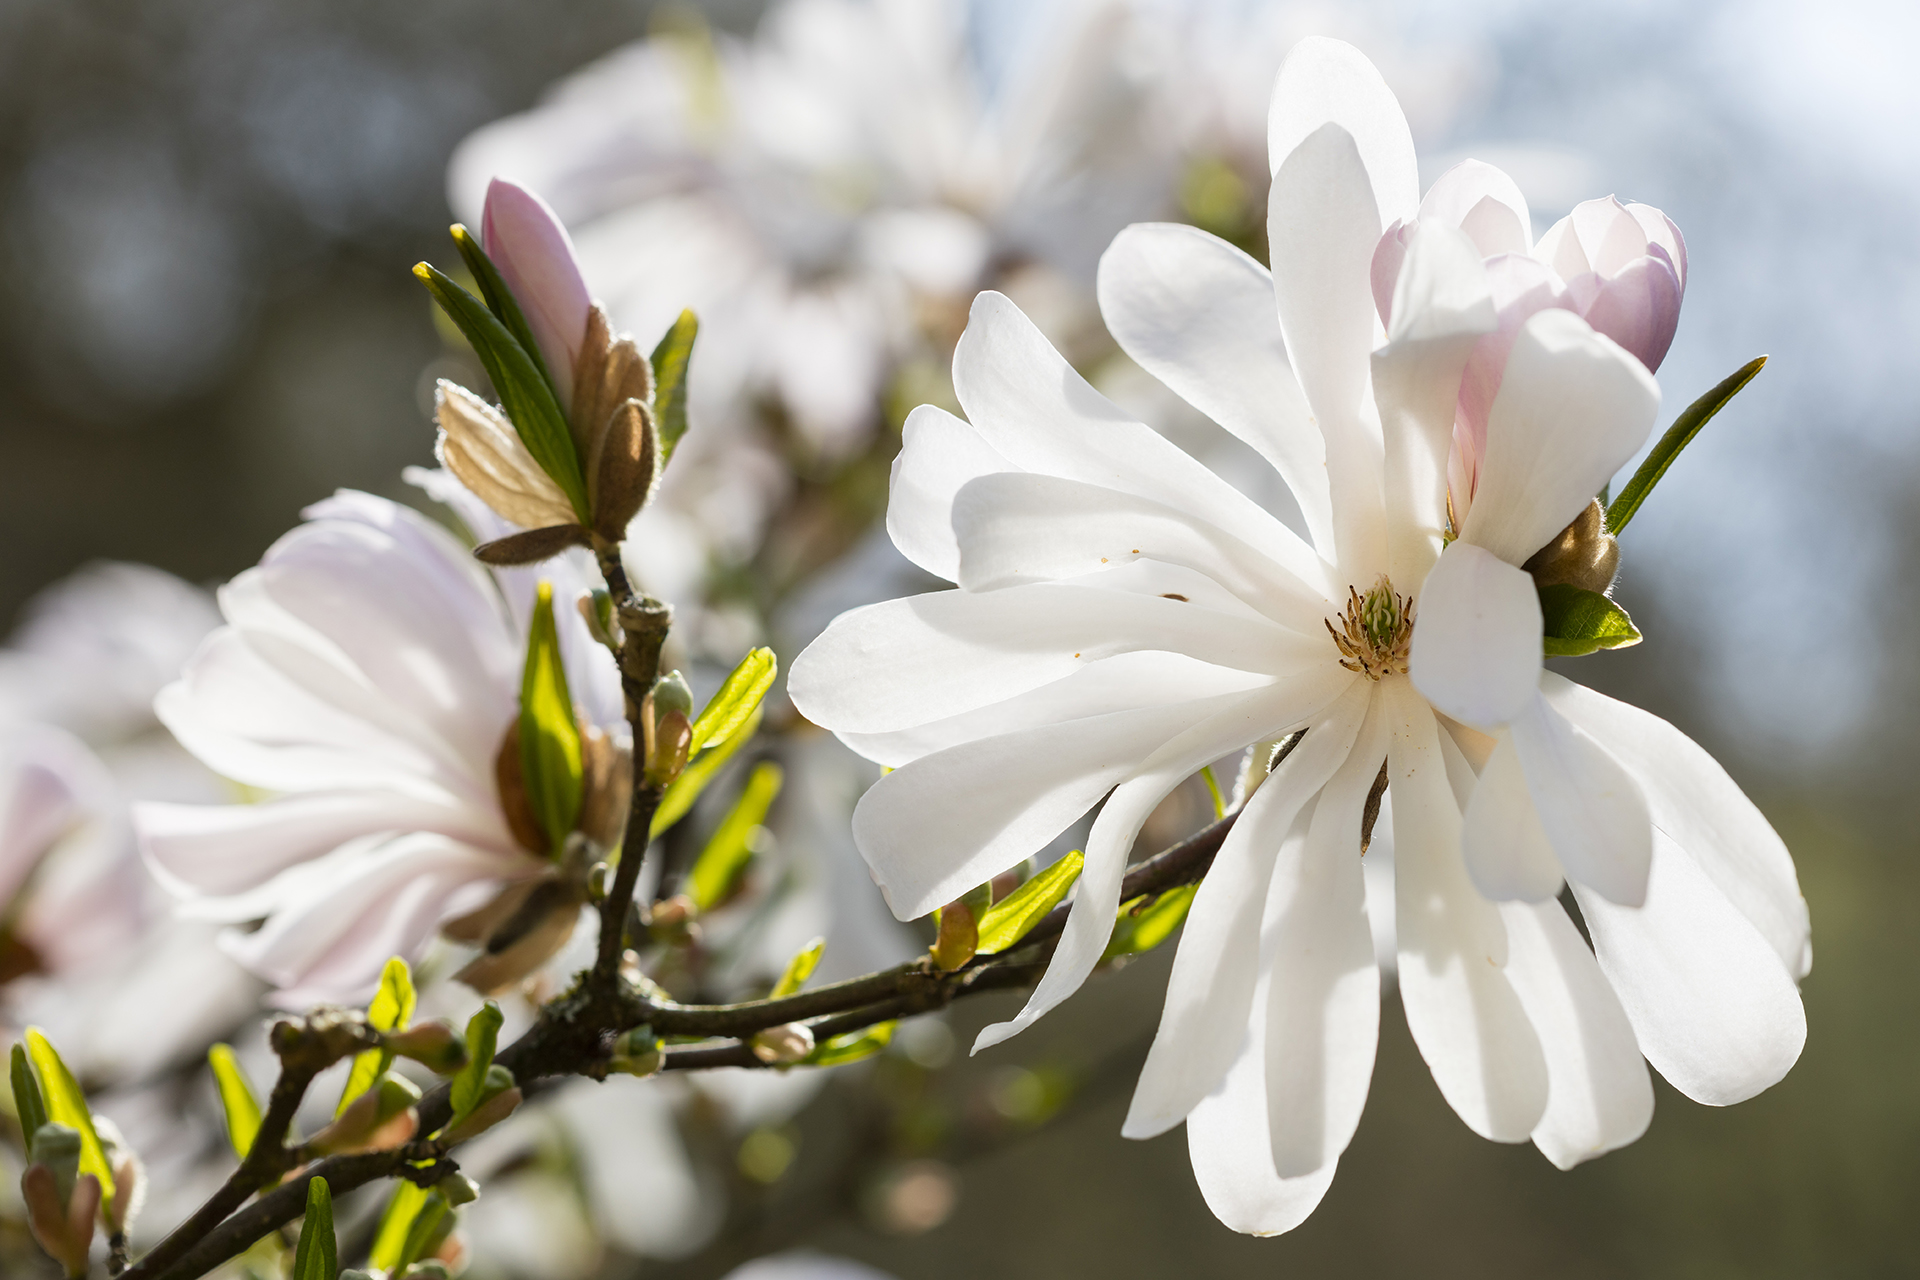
(1375, 632)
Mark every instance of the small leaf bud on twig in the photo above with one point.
(782, 1045)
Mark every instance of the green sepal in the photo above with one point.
(670, 382)
(798, 969)
(693, 779)
(1213, 793)
(550, 753)
(318, 1257)
(1013, 917)
(522, 385)
(29, 1107)
(237, 1099)
(739, 697)
(470, 1086)
(1143, 925)
(851, 1047)
(1678, 437)
(727, 853)
(1578, 621)
(391, 1010)
(67, 1105)
(500, 301)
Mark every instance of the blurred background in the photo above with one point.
(207, 214)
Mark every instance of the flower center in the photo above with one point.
(1374, 632)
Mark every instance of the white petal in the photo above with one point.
(1232, 1155)
(1323, 997)
(1015, 528)
(1598, 1094)
(1589, 805)
(1218, 961)
(1197, 313)
(938, 454)
(1476, 637)
(1713, 1008)
(1703, 811)
(924, 658)
(1322, 228)
(1328, 80)
(480, 446)
(1460, 1006)
(1572, 407)
(1507, 850)
(1483, 202)
(1124, 681)
(1218, 727)
(1441, 307)
(1030, 406)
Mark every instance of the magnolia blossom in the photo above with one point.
(365, 682)
(1123, 617)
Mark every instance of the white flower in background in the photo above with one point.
(366, 680)
(1124, 617)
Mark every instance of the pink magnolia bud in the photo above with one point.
(535, 256)
(1625, 267)
(63, 1228)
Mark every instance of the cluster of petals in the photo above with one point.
(1123, 617)
(364, 681)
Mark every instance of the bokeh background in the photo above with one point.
(207, 212)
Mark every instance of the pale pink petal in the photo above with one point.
(535, 256)
(1485, 203)
(1328, 81)
(1639, 308)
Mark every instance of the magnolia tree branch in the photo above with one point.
(574, 1033)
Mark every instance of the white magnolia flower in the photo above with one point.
(366, 679)
(1123, 617)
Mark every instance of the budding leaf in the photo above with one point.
(1678, 437)
(67, 1105)
(396, 1224)
(1579, 621)
(470, 1086)
(429, 1228)
(550, 754)
(1213, 792)
(524, 388)
(501, 302)
(391, 1010)
(670, 382)
(318, 1257)
(28, 1104)
(1143, 925)
(693, 779)
(738, 699)
(236, 1099)
(851, 1047)
(1010, 919)
(728, 852)
(799, 969)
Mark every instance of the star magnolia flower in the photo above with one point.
(1124, 617)
(367, 676)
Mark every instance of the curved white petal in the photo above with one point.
(1198, 314)
(919, 659)
(1232, 1155)
(1119, 683)
(1589, 805)
(1031, 407)
(1322, 228)
(1506, 849)
(1703, 811)
(1476, 637)
(938, 454)
(1441, 307)
(1217, 727)
(1598, 1094)
(1713, 1008)
(1483, 202)
(1323, 995)
(1015, 528)
(1460, 1006)
(1218, 962)
(1326, 80)
(1572, 407)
